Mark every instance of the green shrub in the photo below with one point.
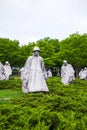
(63, 108)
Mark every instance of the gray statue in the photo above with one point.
(7, 70)
(2, 76)
(33, 73)
(67, 73)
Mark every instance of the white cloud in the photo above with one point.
(30, 20)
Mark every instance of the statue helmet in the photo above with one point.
(65, 61)
(6, 62)
(36, 48)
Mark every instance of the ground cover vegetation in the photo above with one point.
(63, 108)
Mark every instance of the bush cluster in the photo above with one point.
(63, 108)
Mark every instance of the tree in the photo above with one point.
(74, 49)
(9, 50)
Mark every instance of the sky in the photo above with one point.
(31, 20)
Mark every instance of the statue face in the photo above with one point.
(36, 53)
(65, 64)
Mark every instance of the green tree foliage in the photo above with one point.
(9, 51)
(48, 48)
(73, 49)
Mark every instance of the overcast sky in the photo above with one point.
(31, 20)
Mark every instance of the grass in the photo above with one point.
(11, 94)
(63, 108)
